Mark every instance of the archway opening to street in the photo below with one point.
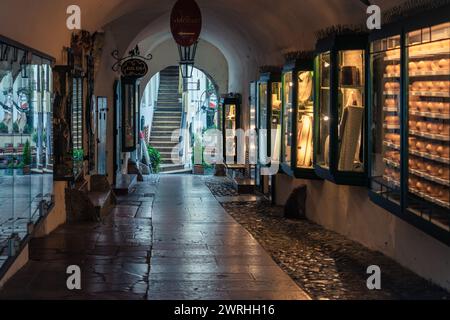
(174, 114)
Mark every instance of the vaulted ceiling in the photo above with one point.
(248, 32)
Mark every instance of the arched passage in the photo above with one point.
(173, 112)
(209, 59)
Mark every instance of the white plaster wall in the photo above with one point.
(349, 211)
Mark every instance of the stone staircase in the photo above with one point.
(167, 119)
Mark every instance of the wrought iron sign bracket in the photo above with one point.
(133, 54)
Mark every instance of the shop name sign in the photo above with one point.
(186, 22)
(134, 68)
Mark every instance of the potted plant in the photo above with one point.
(155, 159)
(26, 158)
(198, 153)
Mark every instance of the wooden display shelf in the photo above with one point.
(392, 58)
(391, 126)
(391, 163)
(430, 198)
(420, 174)
(391, 75)
(418, 153)
(430, 55)
(438, 137)
(429, 156)
(391, 109)
(419, 193)
(430, 178)
(436, 94)
(391, 93)
(429, 73)
(430, 115)
(391, 145)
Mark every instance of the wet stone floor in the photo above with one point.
(323, 263)
(169, 239)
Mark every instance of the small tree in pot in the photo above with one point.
(26, 158)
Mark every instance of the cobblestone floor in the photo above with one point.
(323, 263)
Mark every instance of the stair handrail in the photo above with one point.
(183, 128)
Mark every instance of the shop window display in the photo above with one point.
(26, 155)
(385, 129)
(253, 139)
(231, 106)
(269, 126)
(410, 128)
(341, 109)
(287, 119)
(298, 116)
(428, 54)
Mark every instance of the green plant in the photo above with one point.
(35, 136)
(26, 154)
(3, 128)
(15, 127)
(155, 158)
(78, 155)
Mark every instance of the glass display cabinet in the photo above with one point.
(129, 108)
(340, 111)
(231, 113)
(298, 117)
(428, 56)
(384, 134)
(269, 124)
(253, 126)
(410, 128)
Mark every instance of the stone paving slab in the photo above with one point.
(174, 241)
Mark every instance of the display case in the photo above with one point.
(130, 107)
(269, 125)
(253, 127)
(410, 121)
(340, 143)
(428, 57)
(384, 116)
(231, 114)
(298, 117)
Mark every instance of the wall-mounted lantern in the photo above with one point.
(186, 26)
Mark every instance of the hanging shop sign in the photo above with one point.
(134, 68)
(186, 22)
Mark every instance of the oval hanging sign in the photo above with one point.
(134, 68)
(186, 22)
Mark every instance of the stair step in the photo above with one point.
(164, 146)
(160, 133)
(164, 113)
(171, 168)
(169, 117)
